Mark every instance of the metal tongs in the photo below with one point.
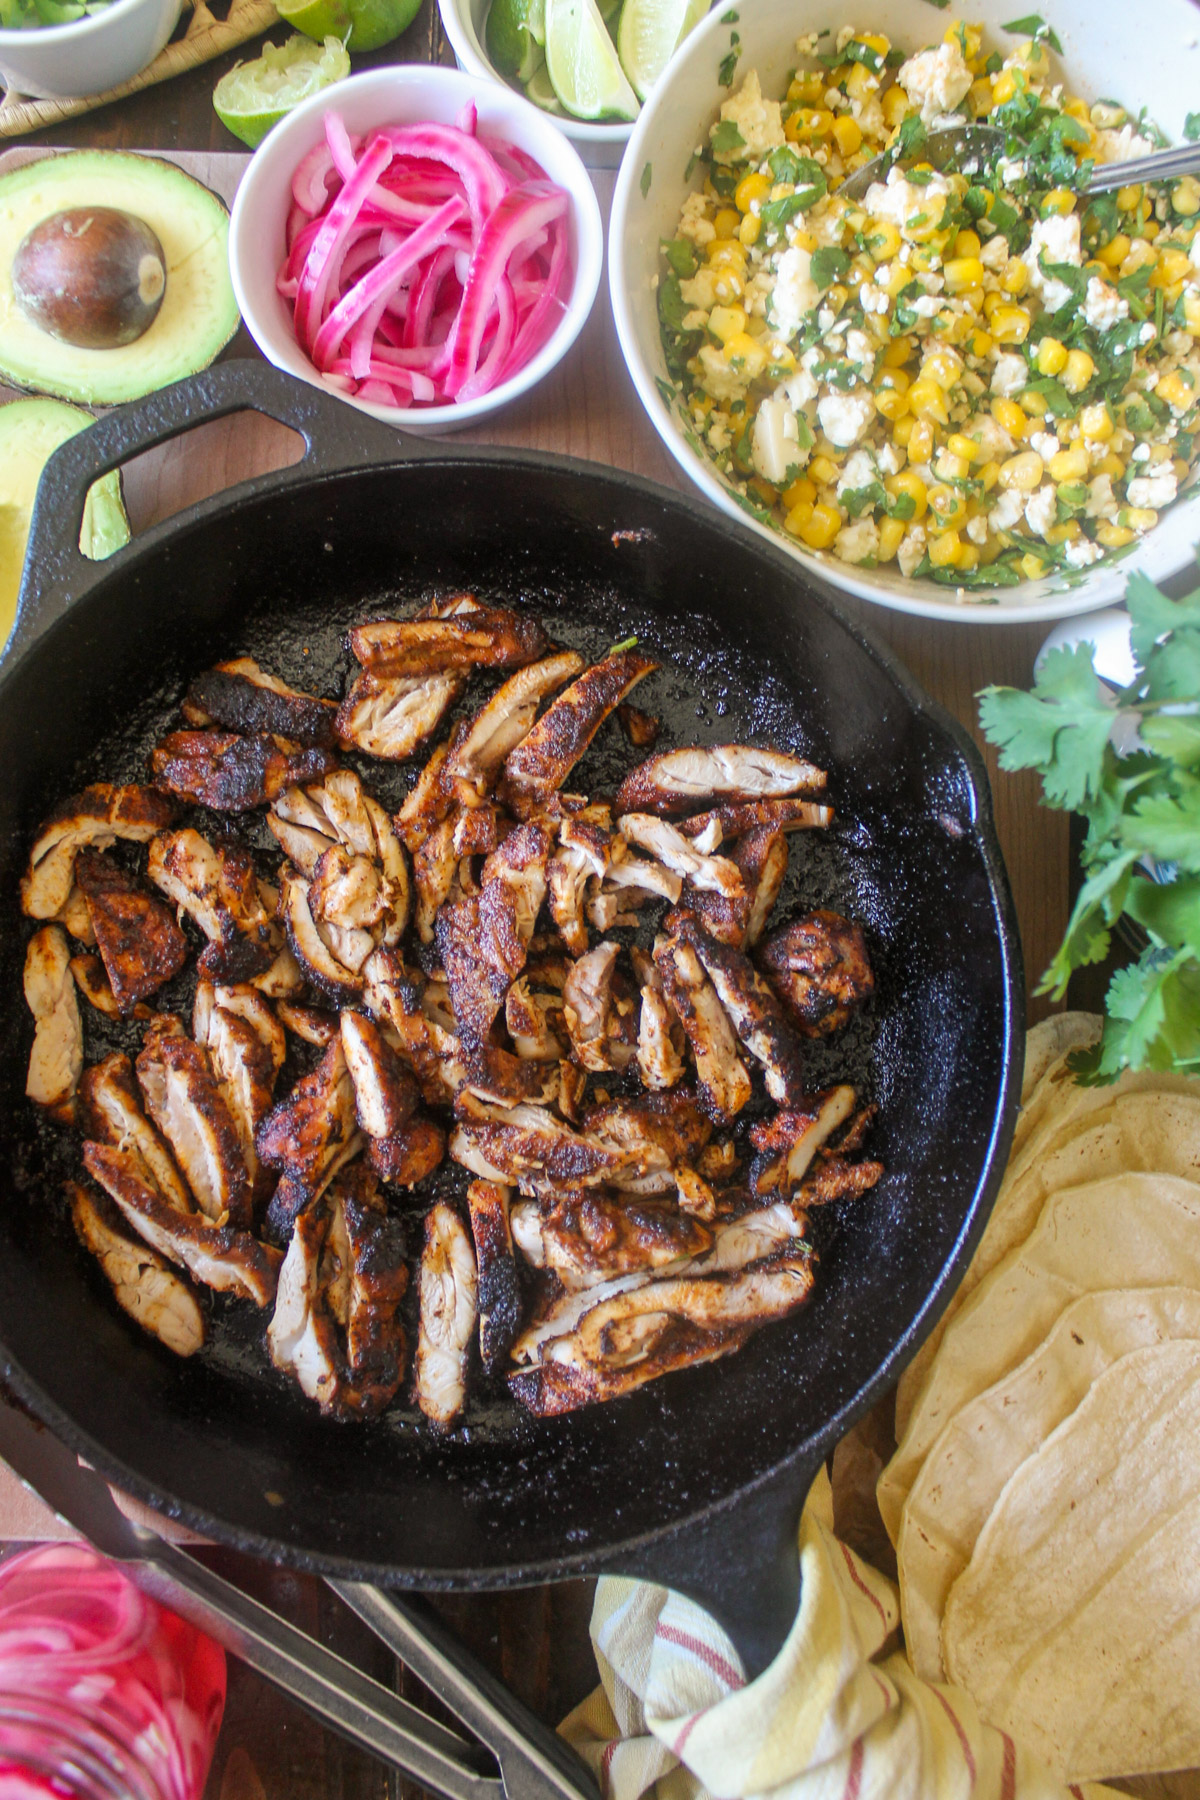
(534, 1763)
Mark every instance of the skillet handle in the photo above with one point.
(741, 1564)
(336, 436)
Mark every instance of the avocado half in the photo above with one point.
(198, 315)
(30, 432)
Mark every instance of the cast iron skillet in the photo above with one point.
(696, 1480)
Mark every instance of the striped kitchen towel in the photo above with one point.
(831, 1719)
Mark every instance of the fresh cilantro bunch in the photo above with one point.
(1133, 771)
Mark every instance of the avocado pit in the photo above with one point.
(90, 276)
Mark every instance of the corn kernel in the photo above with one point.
(989, 475)
(875, 40)
(1159, 453)
(798, 516)
(860, 83)
(882, 239)
(763, 490)
(1078, 109)
(823, 469)
(927, 399)
(750, 188)
(1138, 518)
(1022, 472)
(821, 526)
(1113, 254)
(947, 506)
(1032, 566)
(1058, 200)
(896, 379)
(1010, 417)
(967, 557)
(807, 85)
(891, 533)
(1185, 196)
(920, 443)
(963, 447)
(782, 360)
(1010, 324)
(1172, 265)
(748, 354)
(895, 104)
(1176, 390)
(1113, 537)
(1034, 404)
(726, 252)
(847, 134)
(815, 122)
(1015, 278)
(1032, 52)
(1069, 465)
(941, 367)
(1191, 310)
(892, 403)
(1129, 198)
(902, 430)
(728, 286)
(1078, 371)
(907, 481)
(962, 272)
(798, 491)
(980, 342)
(967, 243)
(836, 297)
(1004, 87)
(1051, 356)
(944, 549)
(1180, 468)
(726, 322)
(1066, 533)
(951, 468)
(898, 353)
(749, 229)
(1096, 423)
(1110, 465)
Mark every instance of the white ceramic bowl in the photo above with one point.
(1137, 54)
(402, 95)
(89, 56)
(601, 146)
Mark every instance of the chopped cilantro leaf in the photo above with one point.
(647, 176)
(828, 265)
(1191, 128)
(728, 68)
(726, 138)
(1035, 27)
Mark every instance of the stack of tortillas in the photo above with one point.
(1045, 1497)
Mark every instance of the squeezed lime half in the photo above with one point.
(253, 96)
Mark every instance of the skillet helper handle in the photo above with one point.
(535, 1762)
(336, 436)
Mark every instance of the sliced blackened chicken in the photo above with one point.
(677, 781)
(641, 728)
(530, 1148)
(583, 855)
(110, 1112)
(448, 1297)
(660, 1039)
(246, 1051)
(533, 1013)
(183, 1099)
(428, 801)
(587, 1001)
(315, 944)
(313, 1024)
(584, 1237)
(761, 857)
(788, 1142)
(540, 764)
(241, 696)
(719, 1069)
(56, 1060)
(231, 773)
(385, 1093)
(661, 840)
(96, 819)
(220, 891)
(754, 1013)
(499, 1286)
(409, 1154)
(658, 1132)
(92, 981)
(478, 637)
(737, 817)
(313, 1131)
(478, 754)
(390, 717)
(139, 942)
(435, 866)
(820, 968)
(143, 1283)
(483, 940)
(336, 1325)
(219, 1256)
(75, 918)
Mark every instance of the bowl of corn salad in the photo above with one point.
(973, 392)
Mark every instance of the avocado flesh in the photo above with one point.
(30, 432)
(198, 315)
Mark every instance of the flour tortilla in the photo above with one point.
(982, 1446)
(1058, 1110)
(1076, 1625)
(1130, 1231)
(1045, 1043)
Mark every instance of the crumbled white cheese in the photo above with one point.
(700, 289)
(1041, 509)
(1057, 238)
(1140, 453)
(844, 417)
(873, 299)
(759, 121)
(806, 44)
(1007, 510)
(936, 80)
(860, 353)
(843, 37)
(994, 253)
(826, 318)
(977, 529)
(994, 442)
(1179, 343)
(1102, 502)
(1046, 444)
(1082, 552)
(889, 459)
(1148, 333)
(1157, 490)
(857, 541)
(719, 378)
(912, 549)
(718, 434)
(775, 444)
(1121, 146)
(794, 294)
(859, 472)
(694, 222)
(1011, 170)
(927, 306)
(1010, 375)
(1103, 307)
(898, 200)
(800, 388)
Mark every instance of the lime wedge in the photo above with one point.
(515, 34)
(649, 34)
(539, 90)
(583, 65)
(254, 96)
(360, 24)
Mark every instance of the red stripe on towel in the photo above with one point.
(957, 1724)
(720, 1666)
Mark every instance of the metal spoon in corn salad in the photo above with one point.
(980, 376)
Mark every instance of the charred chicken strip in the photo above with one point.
(314, 1024)
(231, 773)
(335, 1327)
(385, 1094)
(139, 942)
(737, 817)
(527, 1147)
(219, 890)
(477, 756)
(411, 1153)
(110, 1112)
(641, 728)
(435, 865)
(229, 1261)
(541, 763)
(143, 1285)
(533, 1018)
(483, 637)
(483, 940)
(56, 1060)
(242, 697)
(820, 968)
(660, 1040)
(587, 1001)
(676, 781)
(499, 1287)
(762, 859)
(92, 981)
(428, 802)
(584, 853)
(182, 1097)
(390, 717)
(788, 1142)
(313, 942)
(246, 1050)
(585, 1237)
(76, 919)
(448, 1296)
(305, 1135)
(754, 1012)
(659, 1131)
(719, 1069)
(677, 853)
(94, 819)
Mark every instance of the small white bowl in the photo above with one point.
(1137, 55)
(89, 56)
(601, 146)
(403, 95)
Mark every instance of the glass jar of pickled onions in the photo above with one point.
(104, 1695)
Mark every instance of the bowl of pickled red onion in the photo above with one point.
(423, 245)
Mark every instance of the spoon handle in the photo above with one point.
(1183, 160)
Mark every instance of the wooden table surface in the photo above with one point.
(535, 1639)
